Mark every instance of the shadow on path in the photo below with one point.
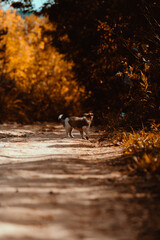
(55, 189)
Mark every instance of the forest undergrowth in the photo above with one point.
(141, 146)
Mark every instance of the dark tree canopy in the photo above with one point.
(115, 47)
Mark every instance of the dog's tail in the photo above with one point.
(61, 118)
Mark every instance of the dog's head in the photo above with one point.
(89, 116)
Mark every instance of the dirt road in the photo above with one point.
(55, 188)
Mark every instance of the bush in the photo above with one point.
(144, 148)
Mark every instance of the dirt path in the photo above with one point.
(54, 188)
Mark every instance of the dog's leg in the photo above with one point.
(81, 132)
(68, 128)
(85, 129)
(70, 132)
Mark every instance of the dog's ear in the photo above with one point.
(89, 115)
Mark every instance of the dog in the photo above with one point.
(82, 124)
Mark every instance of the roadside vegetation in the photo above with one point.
(144, 149)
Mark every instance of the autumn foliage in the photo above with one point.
(36, 82)
(143, 147)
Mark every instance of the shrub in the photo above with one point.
(144, 148)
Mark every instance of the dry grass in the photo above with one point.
(144, 147)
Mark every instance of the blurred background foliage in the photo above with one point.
(36, 82)
(81, 55)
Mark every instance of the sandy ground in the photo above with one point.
(55, 188)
